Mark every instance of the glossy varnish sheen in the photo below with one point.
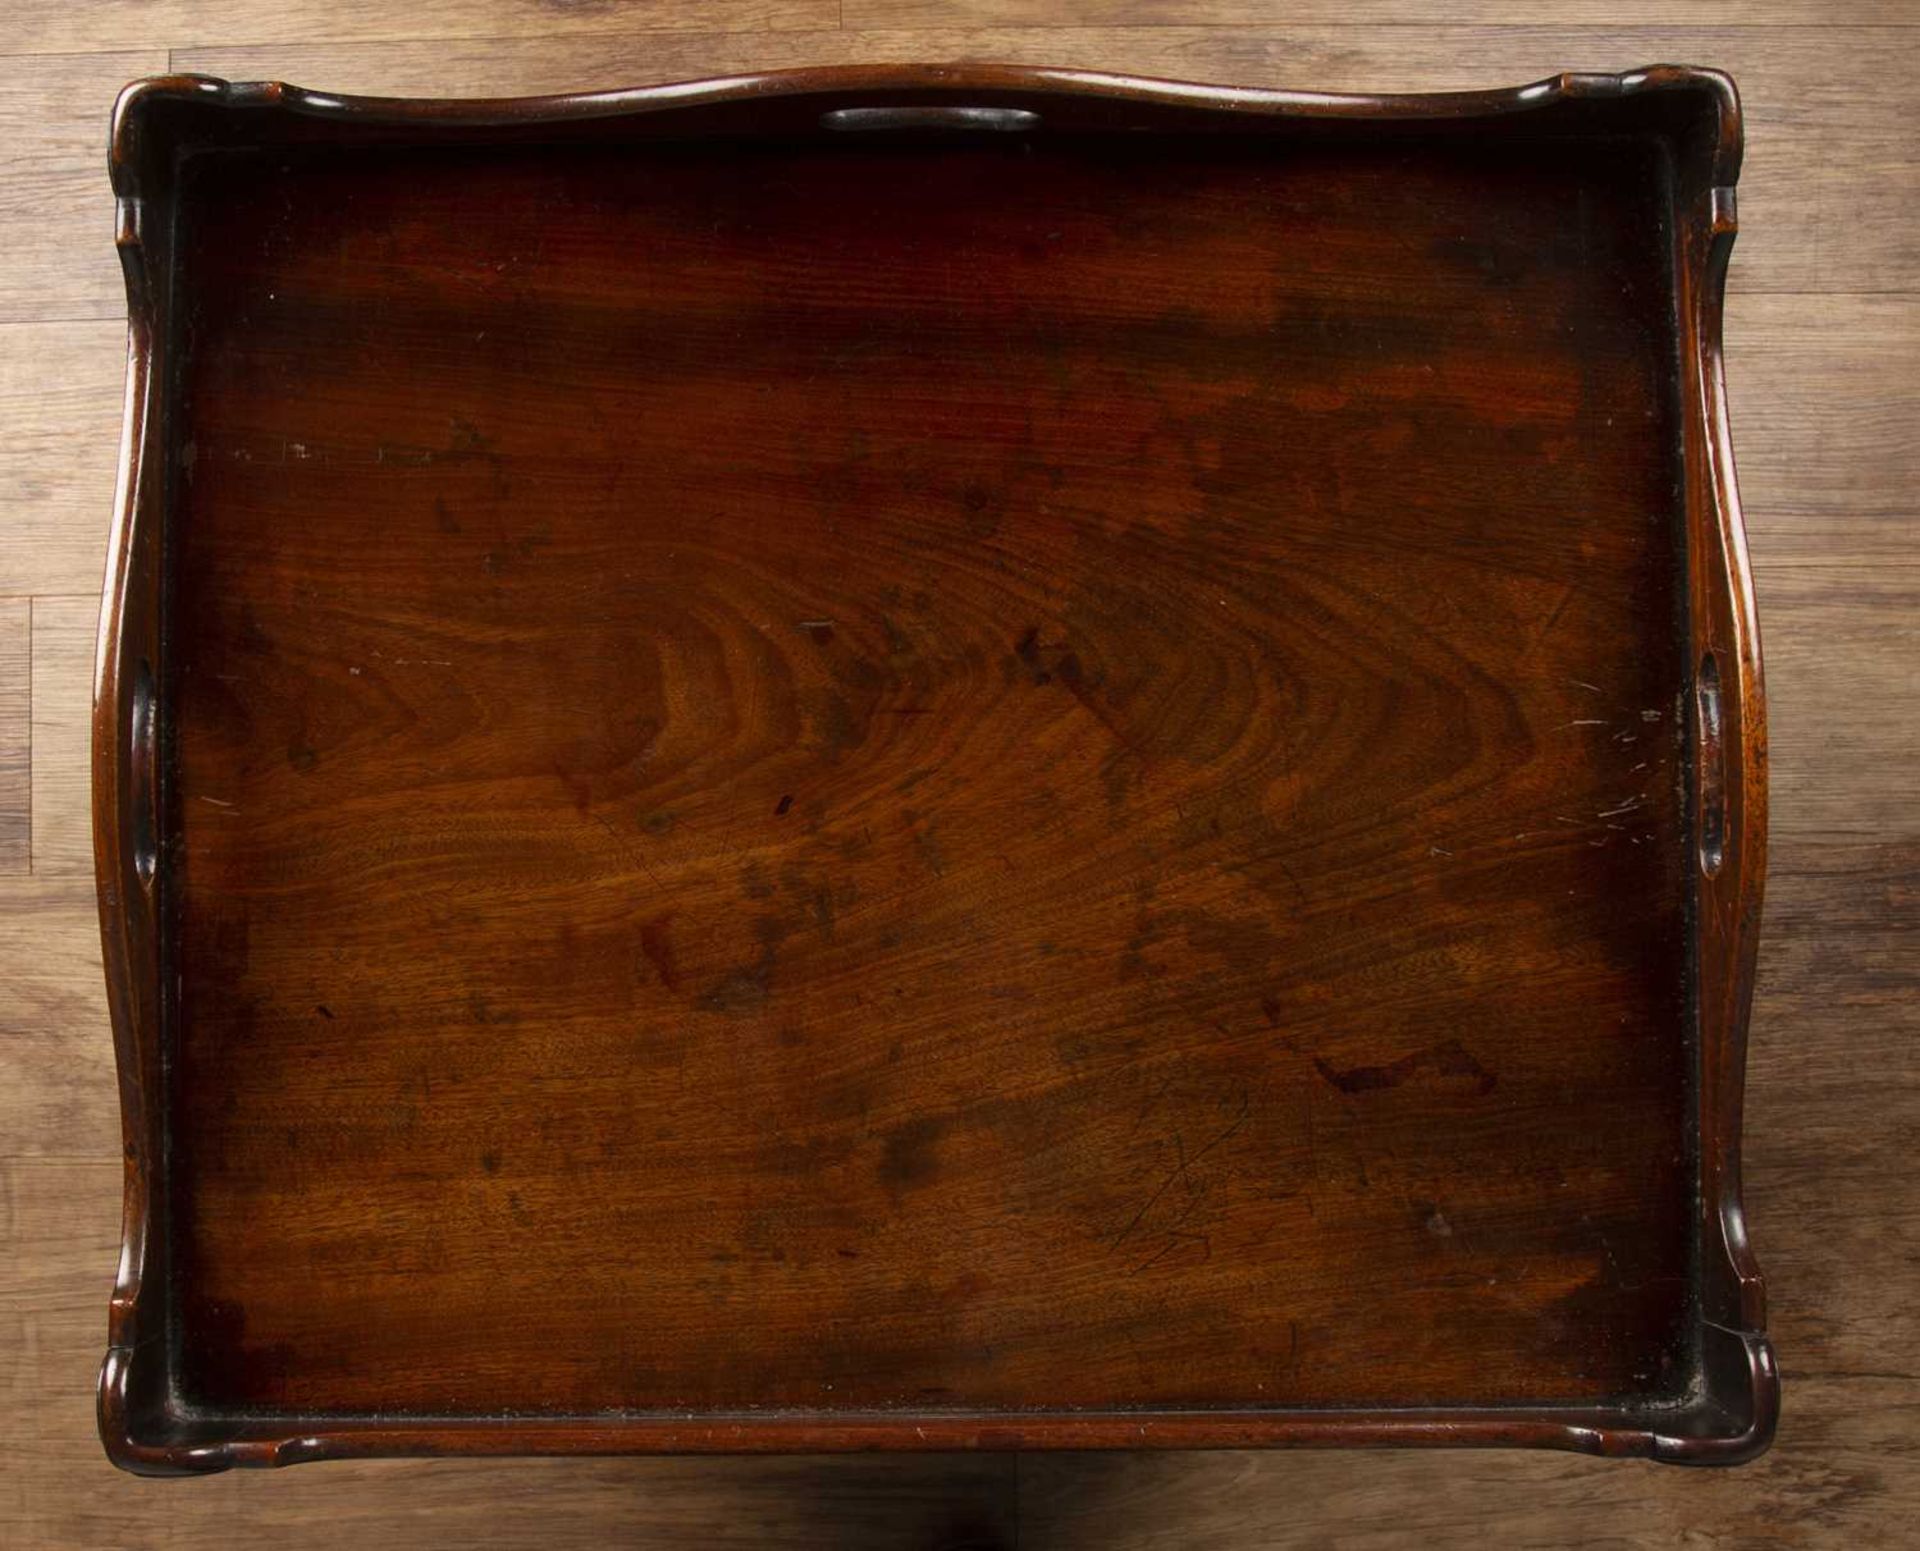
(929, 774)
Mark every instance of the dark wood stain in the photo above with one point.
(1034, 789)
(656, 941)
(1447, 1059)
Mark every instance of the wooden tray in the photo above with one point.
(929, 759)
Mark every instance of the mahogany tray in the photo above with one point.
(929, 759)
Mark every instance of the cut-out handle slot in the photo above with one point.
(143, 774)
(930, 116)
(1709, 713)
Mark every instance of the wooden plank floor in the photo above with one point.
(1824, 361)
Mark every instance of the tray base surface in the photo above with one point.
(1035, 775)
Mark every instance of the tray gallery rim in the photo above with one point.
(1731, 1413)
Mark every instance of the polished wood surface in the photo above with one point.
(948, 800)
(1821, 336)
(947, 789)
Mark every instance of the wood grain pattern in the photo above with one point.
(56, 252)
(1847, 913)
(1828, 467)
(1831, 1096)
(1825, 157)
(63, 640)
(48, 26)
(59, 439)
(57, 1093)
(1518, 16)
(61, 1220)
(1852, 631)
(1846, 1485)
(16, 738)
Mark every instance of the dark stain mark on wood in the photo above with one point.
(838, 728)
(816, 895)
(908, 1158)
(1027, 652)
(925, 844)
(656, 942)
(1447, 1059)
(743, 991)
(1050, 664)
